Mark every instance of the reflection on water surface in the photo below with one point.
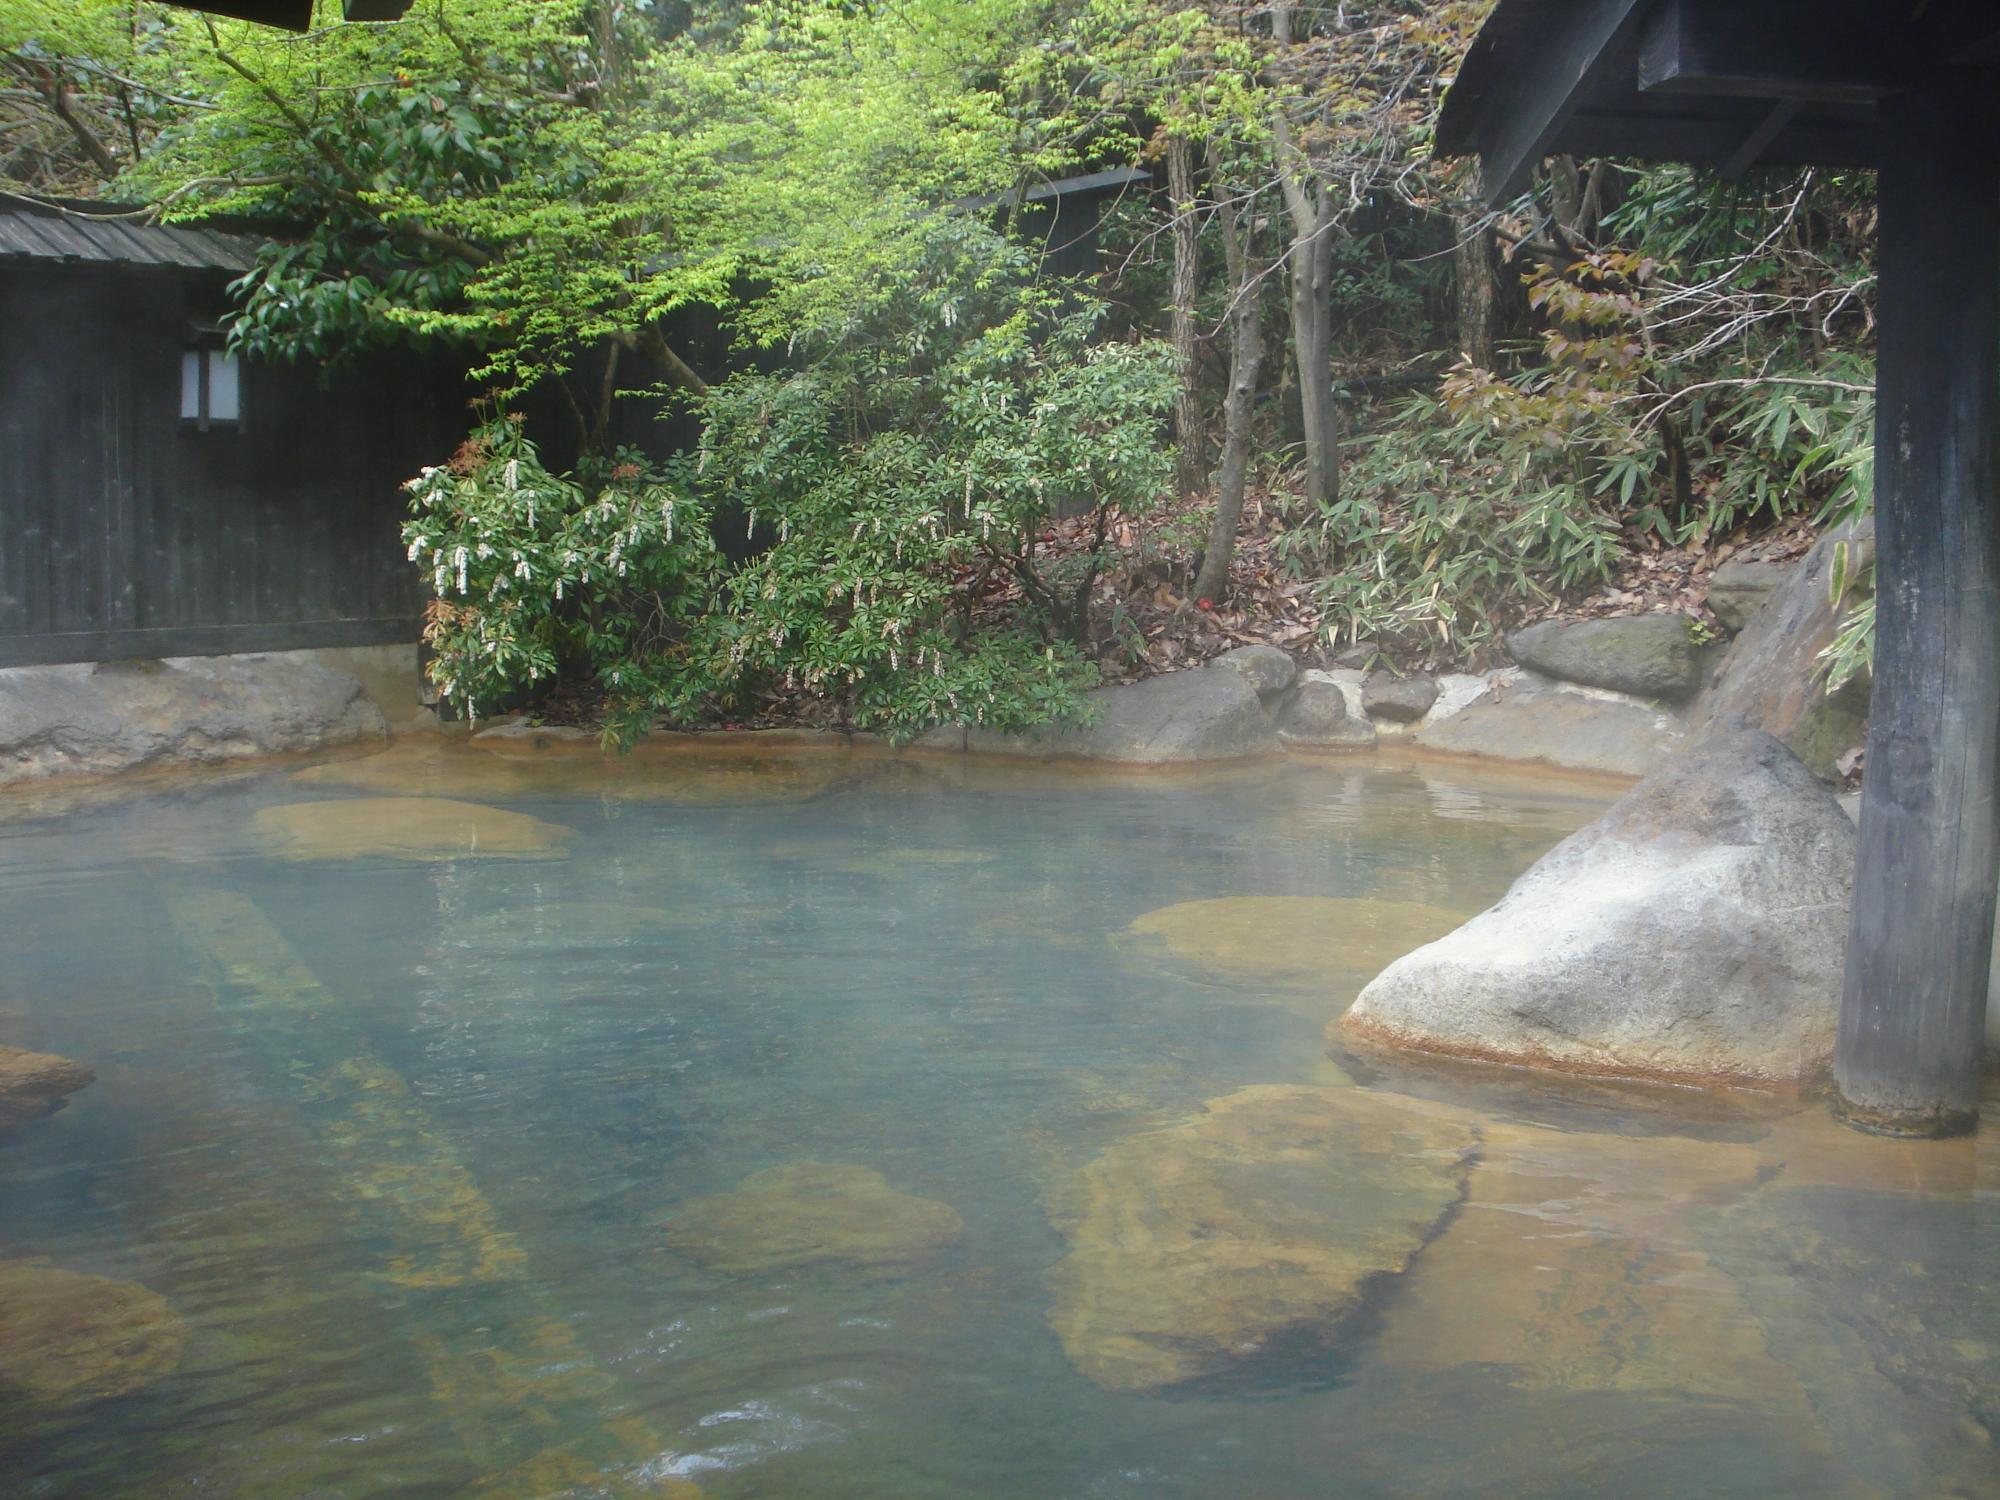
(820, 1124)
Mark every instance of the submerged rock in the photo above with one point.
(1532, 718)
(1574, 1265)
(1694, 931)
(1258, 1225)
(813, 1213)
(33, 1084)
(1883, 1304)
(1262, 940)
(68, 1339)
(1652, 656)
(1812, 1149)
(406, 828)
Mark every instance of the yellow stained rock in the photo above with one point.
(813, 1213)
(1572, 1265)
(68, 1339)
(33, 1084)
(1289, 940)
(542, 768)
(1812, 1149)
(406, 828)
(1260, 1222)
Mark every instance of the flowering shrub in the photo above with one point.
(534, 575)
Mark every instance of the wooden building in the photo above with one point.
(159, 497)
(1910, 88)
(1062, 218)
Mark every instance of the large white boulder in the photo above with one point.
(1695, 931)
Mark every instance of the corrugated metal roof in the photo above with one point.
(1116, 179)
(42, 232)
(1091, 182)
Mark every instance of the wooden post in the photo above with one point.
(1919, 945)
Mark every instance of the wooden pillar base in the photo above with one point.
(1913, 1007)
(1936, 1123)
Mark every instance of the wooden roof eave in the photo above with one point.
(294, 15)
(1712, 81)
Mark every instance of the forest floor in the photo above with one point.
(1143, 598)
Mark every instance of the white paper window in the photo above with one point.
(222, 387)
(211, 387)
(191, 385)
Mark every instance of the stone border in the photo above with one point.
(1243, 705)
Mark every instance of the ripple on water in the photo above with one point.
(1282, 942)
(403, 1144)
(406, 828)
(531, 768)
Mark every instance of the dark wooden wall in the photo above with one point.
(125, 532)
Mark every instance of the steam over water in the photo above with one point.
(818, 1125)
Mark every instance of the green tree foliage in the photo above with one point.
(85, 90)
(535, 179)
(544, 182)
(898, 480)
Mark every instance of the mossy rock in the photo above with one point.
(806, 1214)
(1258, 1226)
(418, 829)
(33, 1084)
(1575, 1264)
(67, 1340)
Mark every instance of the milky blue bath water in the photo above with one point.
(398, 1140)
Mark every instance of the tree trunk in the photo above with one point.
(1472, 276)
(1310, 263)
(1191, 466)
(1246, 356)
(1312, 350)
(1565, 191)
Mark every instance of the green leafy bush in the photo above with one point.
(903, 479)
(534, 574)
(896, 486)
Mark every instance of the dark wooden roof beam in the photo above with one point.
(1978, 51)
(1804, 140)
(1759, 140)
(1815, 51)
(1523, 118)
(1962, 33)
(295, 15)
